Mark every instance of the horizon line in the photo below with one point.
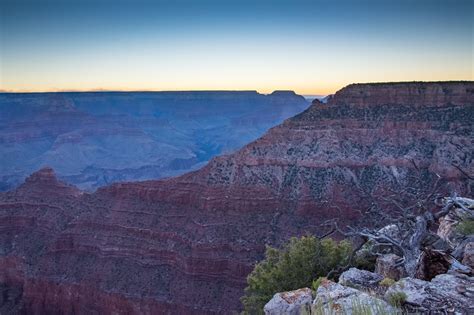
(154, 91)
(100, 90)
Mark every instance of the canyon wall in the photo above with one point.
(185, 244)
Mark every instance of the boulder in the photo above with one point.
(435, 242)
(457, 267)
(334, 298)
(360, 279)
(386, 266)
(446, 293)
(465, 203)
(447, 230)
(432, 263)
(468, 256)
(458, 252)
(290, 303)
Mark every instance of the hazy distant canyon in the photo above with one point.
(93, 139)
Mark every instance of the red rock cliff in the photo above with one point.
(186, 244)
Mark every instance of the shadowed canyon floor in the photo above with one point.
(186, 244)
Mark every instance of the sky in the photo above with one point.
(311, 47)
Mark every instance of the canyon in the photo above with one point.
(184, 245)
(96, 138)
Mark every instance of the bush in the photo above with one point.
(397, 299)
(466, 227)
(316, 283)
(294, 266)
(386, 282)
(364, 258)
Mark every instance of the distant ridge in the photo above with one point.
(410, 82)
(152, 91)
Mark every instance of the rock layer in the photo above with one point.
(186, 244)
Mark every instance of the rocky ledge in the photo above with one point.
(445, 290)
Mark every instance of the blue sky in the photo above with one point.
(312, 47)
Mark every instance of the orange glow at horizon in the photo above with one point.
(308, 89)
(310, 47)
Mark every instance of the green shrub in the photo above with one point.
(397, 299)
(364, 258)
(294, 266)
(386, 282)
(316, 283)
(466, 227)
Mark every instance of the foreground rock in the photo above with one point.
(451, 292)
(447, 229)
(433, 263)
(333, 298)
(458, 252)
(388, 267)
(360, 279)
(468, 256)
(296, 302)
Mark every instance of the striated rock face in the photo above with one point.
(414, 94)
(186, 244)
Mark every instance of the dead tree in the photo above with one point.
(402, 221)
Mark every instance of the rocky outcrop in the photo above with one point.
(296, 302)
(445, 293)
(388, 267)
(468, 256)
(333, 298)
(415, 94)
(440, 284)
(360, 279)
(188, 243)
(432, 263)
(448, 225)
